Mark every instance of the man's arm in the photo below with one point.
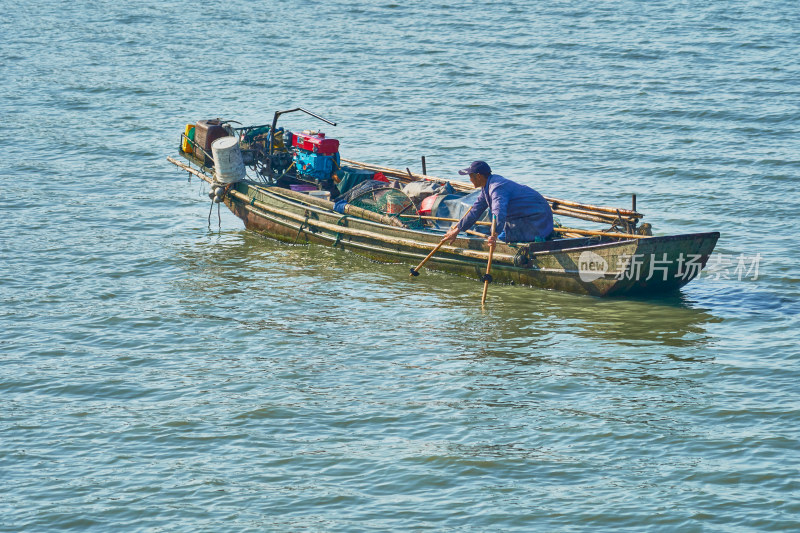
(500, 198)
(465, 223)
(474, 214)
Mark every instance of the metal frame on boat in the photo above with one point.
(602, 263)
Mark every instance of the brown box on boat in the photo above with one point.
(205, 133)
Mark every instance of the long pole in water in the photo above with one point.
(487, 278)
(415, 271)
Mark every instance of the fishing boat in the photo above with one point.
(296, 187)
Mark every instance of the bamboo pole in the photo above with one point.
(572, 211)
(395, 173)
(487, 278)
(190, 170)
(479, 222)
(580, 216)
(444, 219)
(595, 208)
(415, 271)
(466, 187)
(590, 218)
(600, 233)
(602, 219)
(560, 230)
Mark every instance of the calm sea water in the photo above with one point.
(160, 375)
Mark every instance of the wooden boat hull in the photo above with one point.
(599, 267)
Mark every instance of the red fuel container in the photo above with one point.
(205, 133)
(315, 142)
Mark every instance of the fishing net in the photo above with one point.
(387, 201)
(363, 188)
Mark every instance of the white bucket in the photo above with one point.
(323, 195)
(228, 165)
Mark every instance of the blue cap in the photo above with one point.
(477, 167)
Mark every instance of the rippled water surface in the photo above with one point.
(158, 374)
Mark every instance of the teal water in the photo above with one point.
(160, 375)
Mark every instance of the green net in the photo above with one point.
(390, 202)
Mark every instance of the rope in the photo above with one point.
(285, 171)
(522, 258)
(339, 235)
(300, 230)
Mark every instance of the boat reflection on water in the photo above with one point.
(317, 279)
(669, 320)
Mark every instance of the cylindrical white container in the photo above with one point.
(228, 165)
(323, 195)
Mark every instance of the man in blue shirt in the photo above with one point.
(523, 215)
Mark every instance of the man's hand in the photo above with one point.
(492, 240)
(451, 234)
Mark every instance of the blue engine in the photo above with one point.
(315, 166)
(315, 156)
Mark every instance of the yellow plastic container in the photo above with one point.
(188, 139)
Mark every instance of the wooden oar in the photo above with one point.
(415, 271)
(487, 278)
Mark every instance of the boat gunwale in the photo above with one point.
(648, 241)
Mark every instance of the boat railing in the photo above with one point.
(186, 141)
